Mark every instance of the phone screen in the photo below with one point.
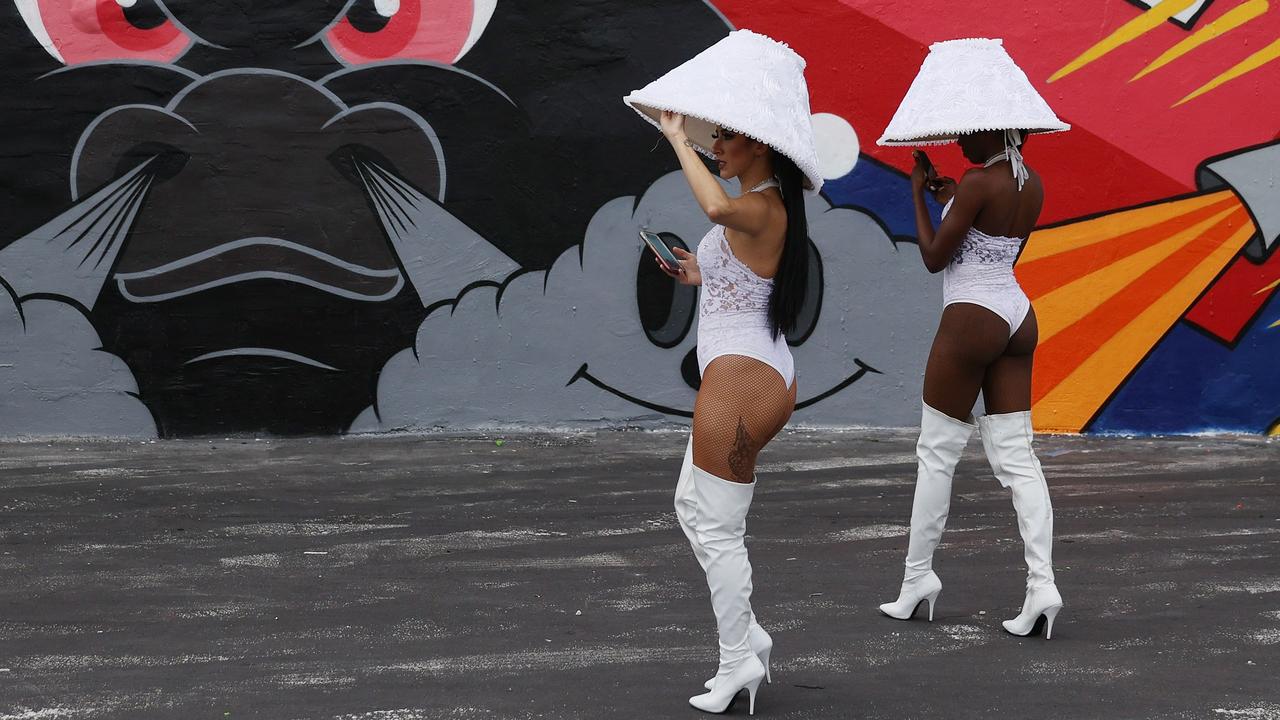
(660, 249)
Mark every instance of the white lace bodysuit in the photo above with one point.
(733, 308)
(981, 272)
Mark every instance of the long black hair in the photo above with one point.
(792, 279)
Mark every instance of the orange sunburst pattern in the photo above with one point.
(1107, 289)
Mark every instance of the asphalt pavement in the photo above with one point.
(543, 576)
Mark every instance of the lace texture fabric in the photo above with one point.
(979, 247)
(965, 86)
(729, 287)
(747, 83)
(981, 272)
(982, 267)
(733, 309)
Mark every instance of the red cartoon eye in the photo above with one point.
(80, 31)
(435, 30)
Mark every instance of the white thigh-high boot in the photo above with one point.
(942, 439)
(1007, 440)
(686, 513)
(720, 526)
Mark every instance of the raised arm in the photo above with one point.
(937, 246)
(748, 214)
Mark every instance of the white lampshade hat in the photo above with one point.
(747, 83)
(967, 86)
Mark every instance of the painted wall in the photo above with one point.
(326, 216)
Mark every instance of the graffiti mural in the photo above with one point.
(329, 216)
(569, 345)
(255, 204)
(1155, 277)
(247, 210)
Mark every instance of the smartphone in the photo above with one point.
(923, 158)
(659, 248)
(931, 173)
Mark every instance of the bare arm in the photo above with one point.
(937, 246)
(748, 214)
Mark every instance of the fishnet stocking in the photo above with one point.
(741, 405)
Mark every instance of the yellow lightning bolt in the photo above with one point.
(1130, 31)
(1270, 286)
(1246, 66)
(1231, 20)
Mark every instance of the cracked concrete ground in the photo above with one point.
(404, 578)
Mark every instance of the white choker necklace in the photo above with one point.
(766, 183)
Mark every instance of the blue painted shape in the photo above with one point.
(882, 191)
(1193, 383)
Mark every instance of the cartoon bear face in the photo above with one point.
(266, 198)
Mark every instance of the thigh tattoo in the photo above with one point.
(742, 456)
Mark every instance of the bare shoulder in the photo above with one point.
(977, 175)
(977, 180)
(1034, 176)
(1034, 183)
(770, 201)
(777, 207)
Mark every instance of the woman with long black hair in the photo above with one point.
(753, 270)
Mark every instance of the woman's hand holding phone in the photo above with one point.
(923, 173)
(924, 176)
(942, 189)
(688, 273)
